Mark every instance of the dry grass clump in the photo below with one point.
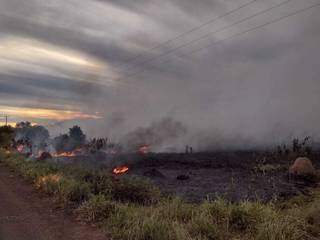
(48, 183)
(96, 209)
(268, 168)
(134, 190)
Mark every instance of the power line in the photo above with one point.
(233, 36)
(210, 34)
(210, 21)
(254, 28)
(196, 40)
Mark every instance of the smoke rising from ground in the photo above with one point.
(158, 135)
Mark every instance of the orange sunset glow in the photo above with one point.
(41, 113)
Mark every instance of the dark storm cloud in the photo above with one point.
(255, 88)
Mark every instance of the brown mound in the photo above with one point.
(302, 167)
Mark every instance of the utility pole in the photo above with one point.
(6, 117)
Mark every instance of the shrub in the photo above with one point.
(33, 170)
(201, 227)
(139, 223)
(97, 208)
(134, 191)
(268, 168)
(73, 191)
(100, 183)
(218, 210)
(282, 227)
(176, 210)
(6, 135)
(239, 218)
(311, 214)
(49, 184)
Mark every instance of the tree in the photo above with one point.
(23, 124)
(37, 136)
(77, 136)
(6, 135)
(61, 143)
(69, 142)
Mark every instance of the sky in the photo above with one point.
(111, 66)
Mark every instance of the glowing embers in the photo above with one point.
(64, 154)
(120, 170)
(20, 148)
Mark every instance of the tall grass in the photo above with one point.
(133, 209)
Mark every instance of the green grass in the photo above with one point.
(133, 209)
(96, 209)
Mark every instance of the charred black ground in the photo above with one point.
(236, 176)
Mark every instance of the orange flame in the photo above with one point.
(64, 154)
(20, 148)
(73, 153)
(120, 170)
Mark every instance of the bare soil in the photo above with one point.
(26, 215)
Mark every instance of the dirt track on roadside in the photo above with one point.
(26, 215)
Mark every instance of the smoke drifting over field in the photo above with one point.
(255, 90)
(158, 135)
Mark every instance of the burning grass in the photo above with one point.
(132, 209)
(120, 170)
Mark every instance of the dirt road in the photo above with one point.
(25, 215)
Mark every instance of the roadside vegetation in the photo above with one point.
(133, 209)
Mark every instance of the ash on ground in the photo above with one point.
(235, 176)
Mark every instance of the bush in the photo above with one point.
(282, 227)
(134, 191)
(49, 184)
(239, 218)
(311, 214)
(100, 183)
(73, 191)
(139, 223)
(203, 228)
(218, 210)
(97, 208)
(6, 135)
(268, 168)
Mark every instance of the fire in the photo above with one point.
(20, 148)
(144, 149)
(120, 170)
(64, 154)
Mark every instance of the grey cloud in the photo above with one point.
(257, 88)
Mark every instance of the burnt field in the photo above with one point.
(236, 176)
